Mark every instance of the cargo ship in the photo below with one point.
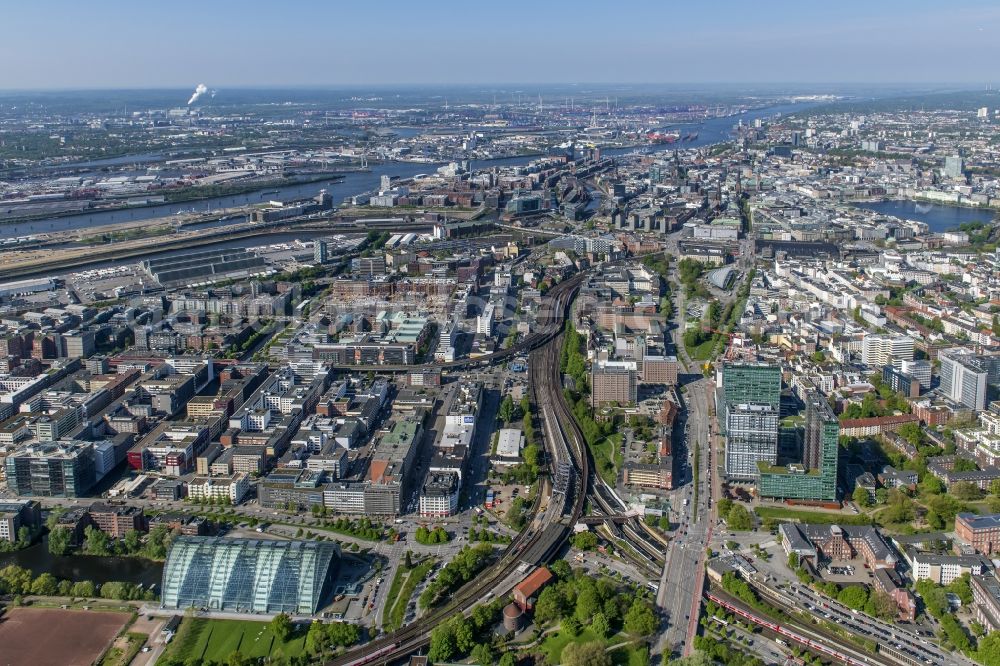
(662, 137)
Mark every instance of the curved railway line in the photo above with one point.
(534, 545)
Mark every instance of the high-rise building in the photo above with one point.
(880, 350)
(963, 377)
(751, 438)
(816, 478)
(614, 384)
(320, 252)
(919, 370)
(954, 167)
(751, 382)
(52, 470)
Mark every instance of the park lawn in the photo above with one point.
(554, 644)
(605, 452)
(702, 352)
(805, 516)
(215, 640)
(629, 655)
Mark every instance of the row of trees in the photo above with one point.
(463, 567)
(429, 537)
(15, 580)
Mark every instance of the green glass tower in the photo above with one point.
(758, 383)
(816, 478)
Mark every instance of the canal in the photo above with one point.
(39, 560)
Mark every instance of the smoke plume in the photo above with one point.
(198, 92)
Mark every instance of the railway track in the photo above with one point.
(538, 537)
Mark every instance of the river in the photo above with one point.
(710, 131)
(938, 217)
(39, 560)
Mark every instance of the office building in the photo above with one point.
(321, 252)
(230, 489)
(943, 569)
(963, 377)
(613, 384)
(116, 520)
(881, 350)
(659, 370)
(439, 495)
(954, 167)
(816, 477)
(15, 515)
(980, 532)
(919, 370)
(986, 601)
(751, 438)
(52, 470)
(758, 383)
(259, 576)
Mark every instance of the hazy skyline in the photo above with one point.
(117, 44)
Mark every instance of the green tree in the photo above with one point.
(506, 411)
(343, 633)
(585, 540)
(96, 542)
(316, 638)
(281, 626)
(507, 659)
(989, 649)
(59, 540)
(83, 588)
(55, 513)
(739, 518)
(853, 596)
(592, 653)
(860, 496)
(45, 585)
(588, 604)
(132, 541)
(443, 646)
(600, 626)
(639, 619)
(483, 655)
(966, 490)
(550, 605)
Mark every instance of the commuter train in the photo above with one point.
(374, 656)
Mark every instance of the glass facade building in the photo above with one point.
(751, 437)
(751, 382)
(248, 575)
(816, 478)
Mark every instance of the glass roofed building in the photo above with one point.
(248, 575)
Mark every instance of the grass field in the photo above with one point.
(393, 619)
(608, 457)
(806, 516)
(204, 639)
(702, 352)
(626, 655)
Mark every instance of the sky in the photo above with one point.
(58, 44)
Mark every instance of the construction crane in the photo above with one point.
(730, 348)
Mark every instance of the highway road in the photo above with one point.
(682, 579)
